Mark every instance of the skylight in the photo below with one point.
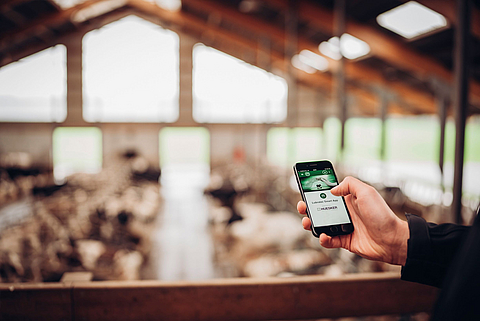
(348, 46)
(411, 20)
(352, 48)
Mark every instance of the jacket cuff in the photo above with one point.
(418, 267)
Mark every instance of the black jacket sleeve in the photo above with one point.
(431, 249)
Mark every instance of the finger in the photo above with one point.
(306, 224)
(348, 186)
(302, 207)
(329, 242)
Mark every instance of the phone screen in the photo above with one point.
(325, 209)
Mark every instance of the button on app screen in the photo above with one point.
(325, 208)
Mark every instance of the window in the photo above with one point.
(34, 89)
(76, 150)
(362, 141)
(228, 90)
(183, 146)
(332, 129)
(131, 73)
(286, 146)
(412, 139)
(184, 157)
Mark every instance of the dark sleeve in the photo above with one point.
(431, 249)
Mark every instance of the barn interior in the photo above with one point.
(146, 151)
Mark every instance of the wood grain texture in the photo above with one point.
(222, 299)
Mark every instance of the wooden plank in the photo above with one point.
(294, 298)
(253, 299)
(41, 301)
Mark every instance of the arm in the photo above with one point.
(424, 249)
(431, 249)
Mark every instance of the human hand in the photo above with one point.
(379, 234)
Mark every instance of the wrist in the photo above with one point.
(400, 248)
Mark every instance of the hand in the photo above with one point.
(379, 234)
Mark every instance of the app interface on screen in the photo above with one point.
(325, 208)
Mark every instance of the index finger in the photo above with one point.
(302, 207)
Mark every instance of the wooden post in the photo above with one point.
(340, 26)
(462, 65)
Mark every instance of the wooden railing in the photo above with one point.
(308, 297)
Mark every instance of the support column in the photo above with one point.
(442, 105)
(291, 29)
(291, 36)
(74, 82)
(185, 111)
(340, 89)
(383, 118)
(462, 64)
(264, 61)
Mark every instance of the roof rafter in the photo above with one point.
(193, 24)
(382, 46)
(410, 95)
(19, 35)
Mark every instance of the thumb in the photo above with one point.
(330, 242)
(348, 186)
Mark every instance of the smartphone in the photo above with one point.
(328, 213)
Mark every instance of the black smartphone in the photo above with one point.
(328, 213)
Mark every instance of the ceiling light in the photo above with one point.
(313, 60)
(171, 5)
(411, 20)
(352, 47)
(65, 4)
(297, 63)
(331, 48)
(348, 46)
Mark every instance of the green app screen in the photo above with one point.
(324, 207)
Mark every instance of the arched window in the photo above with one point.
(228, 90)
(130, 73)
(34, 89)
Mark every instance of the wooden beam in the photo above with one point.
(41, 301)
(384, 47)
(421, 101)
(309, 297)
(14, 37)
(195, 25)
(8, 4)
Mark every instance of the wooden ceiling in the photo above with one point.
(405, 70)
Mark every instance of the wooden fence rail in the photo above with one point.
(308, 297)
